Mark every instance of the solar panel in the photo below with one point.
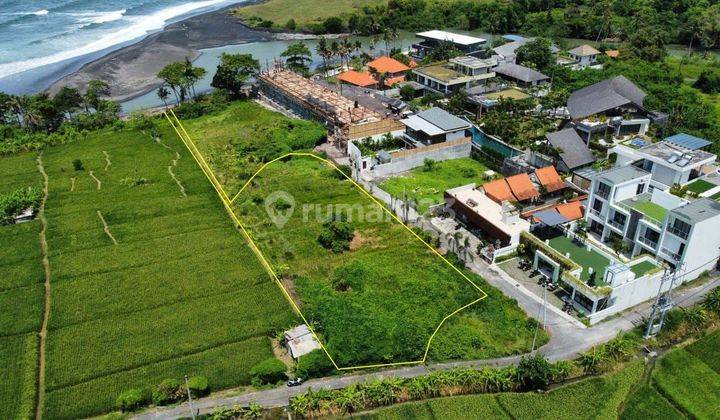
(673, 158)
(687, 141)
(638, 142)
(682, 162)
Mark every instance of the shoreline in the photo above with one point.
(131, 70)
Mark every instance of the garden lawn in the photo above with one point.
(700, 186)
(180, 293)
(651, 209)
(21, 294)
(427, 187)
(303, 11)
(642, 268)
(689, 383)
(582, 257)
(397, 290)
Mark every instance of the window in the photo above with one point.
(619, 218)
(640, 189)
(597, 205)
(680, 228)
(603, 190)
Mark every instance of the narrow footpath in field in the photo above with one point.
(46, 308)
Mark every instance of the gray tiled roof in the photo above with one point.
(519, 72)
(443, 119)
(622, 173)
(573, 150)
(700, 210)
(604, 96)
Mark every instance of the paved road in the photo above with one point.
(568, 338)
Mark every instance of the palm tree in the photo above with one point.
(163, 93)
(253, 411)
(324, 51)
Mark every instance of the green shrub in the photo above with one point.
(314, 365)
(333, 25)
(198, 385)
(291, 25)
(16, 202)
(534, 372)
(132, 399)
(168, 392)
(78, 165)
(337, 234)
(268, 371)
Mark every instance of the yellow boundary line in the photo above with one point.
(227, 202)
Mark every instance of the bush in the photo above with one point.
(345, 172)
(268, 371)
(337, 234)
(708, 81)
(168, 392)
(407, 93)
(333, 25)
(534, 372)
(132, 399)
(314, 365)
(15, 202)
(349, 276)
(290, 24)
(78, 165)
(198, 385)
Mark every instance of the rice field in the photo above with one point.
(21, 295)
(149, 280)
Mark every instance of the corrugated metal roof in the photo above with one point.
(687, 141)
(416, 123)
(452, 37)
(522, 73)
(550, 217)
(443, 119)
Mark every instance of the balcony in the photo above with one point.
(617, 225)
(597, 213)
(602, 194)
(648, 242)
(677, 232)
(673, 255)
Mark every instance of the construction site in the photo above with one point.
(345, 118)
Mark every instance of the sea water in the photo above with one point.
(43, 34)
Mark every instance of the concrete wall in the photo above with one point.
(404, 161)
(630, 294)
(623, 192)
(702, 249)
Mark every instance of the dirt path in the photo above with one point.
(107, 160)
(106, 228)
(46, 310)
(99, 184)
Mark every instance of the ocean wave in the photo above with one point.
(90, 20)
(138, 27)
(42, 12)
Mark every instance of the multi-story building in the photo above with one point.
(458, 73)
(682, 233)
(668, 163)
(431, 40)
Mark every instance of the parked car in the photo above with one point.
(295, 382)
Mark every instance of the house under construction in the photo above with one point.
(346, 119)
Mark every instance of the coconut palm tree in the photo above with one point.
(163, 93)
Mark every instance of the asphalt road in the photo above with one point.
(568, 339)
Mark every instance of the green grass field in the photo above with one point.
(582, 257)
(303, 11)
(400, 290)
(235, 146)
(180, 292)
(700, 186)
(21, 295)
(689, 383)
(642, 268)
(427, 187)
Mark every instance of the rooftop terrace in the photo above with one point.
(643, 203)
(582, 257)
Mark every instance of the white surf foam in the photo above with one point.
(102, 17)
(138, 27)
(42, 12)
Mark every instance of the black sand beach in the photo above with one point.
(131, 71)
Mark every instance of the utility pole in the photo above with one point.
(544, 309)
(187, 388)
(663, 302)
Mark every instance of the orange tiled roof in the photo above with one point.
(386, 64)
(522, 187)
(356, 78)
(550, 179)
(571, 211)
(391, 81)
(613, 53)
(498, 191)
